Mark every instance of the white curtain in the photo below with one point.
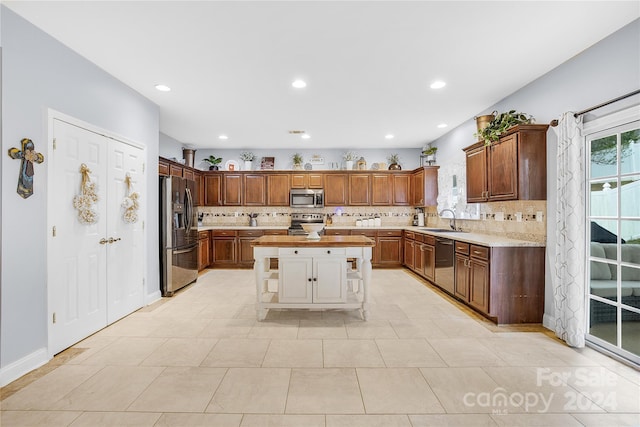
(568, 274)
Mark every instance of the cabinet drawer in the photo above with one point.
(389, 233)
(329, 232)
(429, 240)
(275, 232)
(462, 248)
(418, 237)
(480, 252)
(203, 235)
(368, 233)
(250, 233)
(223, 233)
(409, 235)
(312, 252)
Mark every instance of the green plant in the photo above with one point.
(500, 124)
(297, 159)
(213, 160)
(247, 156)
(430, 151)
(393, 159)
(349, 156)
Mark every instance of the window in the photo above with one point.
(613, 218)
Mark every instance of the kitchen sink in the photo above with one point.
(442, 230)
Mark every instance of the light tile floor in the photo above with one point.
(201, 359)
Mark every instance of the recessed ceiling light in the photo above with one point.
(305, 136)
(223, 137)
(163, 88)
(438, 84)
(389, 136)
(442, 125)
(299, 84)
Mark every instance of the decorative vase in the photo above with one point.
(349, 164)
(188, 155)
(395, 167)
(298, 167)
(213, 168)
(248, 165)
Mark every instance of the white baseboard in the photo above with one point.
(548, 322)
(15, 370)
(152, 297)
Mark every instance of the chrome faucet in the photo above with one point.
(452, 223)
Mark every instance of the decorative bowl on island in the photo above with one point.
(313, 230)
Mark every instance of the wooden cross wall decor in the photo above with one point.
(28, 156)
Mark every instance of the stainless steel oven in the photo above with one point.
(306, 198)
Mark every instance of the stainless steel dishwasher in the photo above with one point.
(445, 275)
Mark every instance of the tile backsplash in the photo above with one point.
(524, 220)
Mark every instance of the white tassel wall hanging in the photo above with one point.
(130, 203)
(85, 201)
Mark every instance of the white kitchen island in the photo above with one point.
(313, 274)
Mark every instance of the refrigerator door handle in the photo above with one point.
(188, 210)
(183, 251)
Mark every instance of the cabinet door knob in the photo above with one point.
(295, 252)
(328, 252)
(315, 279)
(309, 279)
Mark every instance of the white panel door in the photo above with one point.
(125, 256)
(295, 280)
(330, 280)
(77, 263)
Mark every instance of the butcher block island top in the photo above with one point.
(303, 242)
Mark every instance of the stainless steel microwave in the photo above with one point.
(306, 198)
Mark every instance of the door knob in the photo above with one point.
(103, 241)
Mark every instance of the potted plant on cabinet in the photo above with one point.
(394, 162)
(247, 157)
(349, 157)
(430, 154)
(213, 162)
(297, 161)
(500, 124)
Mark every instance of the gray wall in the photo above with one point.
(40, 73)
(606, 70)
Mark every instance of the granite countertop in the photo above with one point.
(489, 240)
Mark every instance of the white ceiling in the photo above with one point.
(368, 64)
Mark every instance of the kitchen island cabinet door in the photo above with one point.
(381, 189)
(295, 283)
(329, 280)
(255, 190)
(359, 189)
(335, 189)
(232, 189)
(278, 190)
(213, 190)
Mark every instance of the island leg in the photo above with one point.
(366, 281)
(258, 269)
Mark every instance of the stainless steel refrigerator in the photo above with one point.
(178, 234)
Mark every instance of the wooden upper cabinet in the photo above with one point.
(336, 187)
(424, 186)
(232, 189)
(255, 190)
(189, 174)
(476, 174)
(163, 167)
(502, 184)
(381, 189)
(175, 170)
(400, 189)
(513, 168)
(213, 190)
(359, 189)
(306, 180)
(278, 189)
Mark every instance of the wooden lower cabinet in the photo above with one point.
(409, 249)
(388, 249)
(204, 252)
(245, 251)
(232, 248)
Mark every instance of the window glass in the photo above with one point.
(630, 331)
(604, 319)
(604, 156)
(630, 196)
(604, 198)
(630, 151)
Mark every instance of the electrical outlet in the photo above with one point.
(499, 216)
(539, 216)
(519, 216)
